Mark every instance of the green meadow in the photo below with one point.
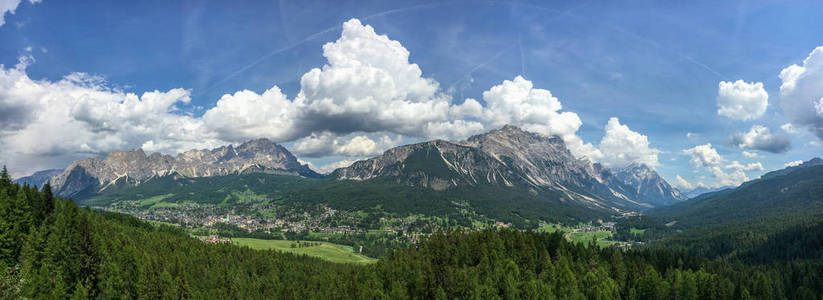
(325, 250)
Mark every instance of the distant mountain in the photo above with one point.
(507, 174)
(511, 157)
(39, 177)
(810, 163)
(703, 190)
(790, 193)
(89, 176)
(648, 186)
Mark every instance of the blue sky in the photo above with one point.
(655, 65)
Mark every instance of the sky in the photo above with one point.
(709, 93)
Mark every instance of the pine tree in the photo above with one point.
(6, 229)
(5, 178)
(15, 221)
(48, 200)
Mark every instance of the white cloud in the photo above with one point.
(328, 168)
(741, 100)
(622, 146)
(704, 155)
(735, 165)
(327, 143)
(366, 98)
(733, 174)
(761, 138)
(789, 128)
(368, 85)
(793, 163)
(683, 184)
(802, 90)
(9, 6)
(47, 124)
(749, 154)
(691, 135)
(246, 114)
(517, 102)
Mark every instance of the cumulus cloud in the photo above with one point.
(246, 114)
(9, 6)
(683, 184)
(793, 163)
(518, 103)
(789, 128)
(622, 146)
(749, 154)
(79, 116)
(368, 85)
(704, 155)
(328, 168)
(326, 143)
(801, 92)
(761, 138)
(366, 98)
(741, 100)
(732, 174)
(735, 165)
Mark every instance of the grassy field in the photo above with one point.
(153, 201)
(636, 231)
(580, 237)
(328, 251)
(586, 237)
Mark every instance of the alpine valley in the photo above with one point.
(507, 175)
(404, 150)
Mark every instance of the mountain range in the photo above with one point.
(39, 177)
(511, 157)
(506, 159)
(793, 193)
(89, 176)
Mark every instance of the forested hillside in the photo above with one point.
(520, 206)
(50, 248)
(797, 194)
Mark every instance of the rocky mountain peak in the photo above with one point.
(510, 156)
(134, 166)
(648, 185)
(639, 170)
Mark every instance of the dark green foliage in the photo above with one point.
(798, 193)
(520, 206)
(652, 229)
(78, 253)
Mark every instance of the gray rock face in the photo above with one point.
(647, 186)
(38, 178)
(134, 166)
(508, 157)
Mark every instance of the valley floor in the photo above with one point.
(325, 250)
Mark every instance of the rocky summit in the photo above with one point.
(513, 157)
(648, 185)
(133, 167)
(39, 177)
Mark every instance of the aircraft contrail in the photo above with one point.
(624, 31)
(481, 65)
(322, 32)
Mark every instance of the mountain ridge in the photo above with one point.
(790, 192)
(38, 178)
(507, 156)
(134, 166)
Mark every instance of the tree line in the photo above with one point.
(51, 248)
